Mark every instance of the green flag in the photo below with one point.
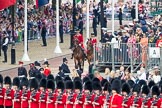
(77, 1)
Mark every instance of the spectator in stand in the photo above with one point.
(122, 73)
(144, 46)
(47, 70)
(156, 75)
(107, 74)
(141, 74)
(97, 75)
(22, 72)
(159, 41)
(65, 67)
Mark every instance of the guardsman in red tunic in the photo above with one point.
(43, 94)
(60, 95)
(25, 93)
(17, 93)
(106, 94)
(93, 39)
(145, 97)
(9, 93)
(88, 97)
(78, 39)
(98, 98)
(116, 99)
(155, 101)
(1, 92)
(78, 96)
(136, 101)
(34, 94)
(69, 94)
(51, 97)
(126, 96)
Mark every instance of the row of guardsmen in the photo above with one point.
(77, 93)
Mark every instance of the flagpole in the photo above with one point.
(25, 56)
(137, 10)
(88, 2)
(113, 17)
(57, 49)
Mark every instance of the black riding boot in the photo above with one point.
(72, 56)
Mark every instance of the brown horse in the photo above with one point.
(89, 51)
(78, 55)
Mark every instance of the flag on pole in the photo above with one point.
(6, 3)
(40, 3)
(77, 1)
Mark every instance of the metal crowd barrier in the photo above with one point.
(117, 54)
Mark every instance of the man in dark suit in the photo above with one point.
(43, 34)
(80, 25)
(65, 67)
(5, 42)
(22, 70)
(133, 13)
(94, 25)
(120, 16)
(61, 31)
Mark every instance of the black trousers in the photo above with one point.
(1, 106)
(8, 106)
(95, 31)
(120, 22)
(4, 48)
(61, 38)
(44, 40)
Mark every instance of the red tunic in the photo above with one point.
(80, 98)
(138, 102)
(100, 101)
(71, 99)
(25, 99)
(116, 101)
(155, 102)
(52, 99)
(94, 41)
(2, 92)
(47, 71)
(42, 100)
(62, 99)
(79, 37)
(88, 105)
(34, 103)
(127, 102)
(17, 96)
(10, 96)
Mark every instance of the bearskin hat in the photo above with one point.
(142, 83)
(50, 84)
(58, 78)
(107, 87)
(116, 85)
(136, 88)
(50, 76)
(131, 83)
(85, 79)
(16, 82)
(160, 85)
(1, 79)
(39, 77)
(67, 78)
(151, 83)
(24, 82)
(78, 85)
(69, 85)
(145, 90)
(155, 90)
(88, 86)
(7, 80)
(34, 83)
(43, 83)
(97, 86)
(103, 82)
(77, 79)
(96, 80)
(126, 88)
(60, 85)
(91, 76)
